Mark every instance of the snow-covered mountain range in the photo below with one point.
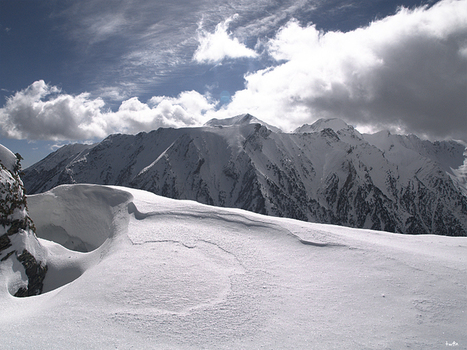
(326, 172)
(122, 268)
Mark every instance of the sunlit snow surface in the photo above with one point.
(7, 158)
(156, 273)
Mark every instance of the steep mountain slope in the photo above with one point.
(405, 152)
(326, 172)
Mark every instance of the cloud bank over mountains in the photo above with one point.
(43, 112)
(407, 72)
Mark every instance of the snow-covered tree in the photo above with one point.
(18, 241)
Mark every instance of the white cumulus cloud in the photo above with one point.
(43, 112)
(217, 46)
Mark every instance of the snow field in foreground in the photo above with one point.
(163, 274)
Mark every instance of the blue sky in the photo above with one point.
(77, 71)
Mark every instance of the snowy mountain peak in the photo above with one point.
(335, 124)
(242, 119)
(237, 120)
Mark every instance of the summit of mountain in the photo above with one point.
(242, 119)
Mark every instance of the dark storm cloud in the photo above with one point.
(420, 85)
(407, 71)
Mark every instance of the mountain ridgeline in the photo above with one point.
(326, 172)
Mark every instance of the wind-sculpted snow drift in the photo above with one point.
(78, 217)
(326, 172)
(85, 221)
(154, 272)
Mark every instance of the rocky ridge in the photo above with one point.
(326, 172)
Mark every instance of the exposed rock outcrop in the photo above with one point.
(17, 232)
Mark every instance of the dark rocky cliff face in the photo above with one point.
(17, 234)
